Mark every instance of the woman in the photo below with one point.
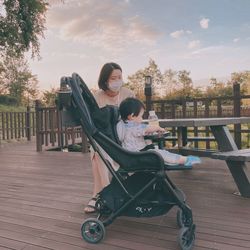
(111, 92)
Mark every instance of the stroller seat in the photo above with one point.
(141, 186)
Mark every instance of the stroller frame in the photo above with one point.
(78, 105)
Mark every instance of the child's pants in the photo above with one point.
(169, 158)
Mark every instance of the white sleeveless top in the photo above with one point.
(103, 99)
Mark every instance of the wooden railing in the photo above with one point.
(46, 123)
(207, 108)
(17, 125)
(50, 133)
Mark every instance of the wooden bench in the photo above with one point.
(236, 155)
(174, 138)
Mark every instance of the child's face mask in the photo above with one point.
(115, 86)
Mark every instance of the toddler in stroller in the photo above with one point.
(140, 187)
(131, 131)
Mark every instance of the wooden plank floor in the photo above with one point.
(42, 196)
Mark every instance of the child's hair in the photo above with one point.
(130, 106)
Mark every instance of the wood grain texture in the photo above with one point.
(43, 194)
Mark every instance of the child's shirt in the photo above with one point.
(131, 134)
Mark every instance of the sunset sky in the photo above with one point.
(209, 38)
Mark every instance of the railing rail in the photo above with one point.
(208, 107)
(17, 125)
(46, 122)
(51, 133)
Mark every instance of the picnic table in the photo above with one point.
(228, 150)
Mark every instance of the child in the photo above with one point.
(131, 132)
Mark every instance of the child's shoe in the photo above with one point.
(191, 160)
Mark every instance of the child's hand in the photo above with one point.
(154, 128)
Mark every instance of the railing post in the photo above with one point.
(163, 113)
(237, 127)
(148, 104)
(61, 130)
(173, 109)
(38, 126)
(207, 116)
(219, 108)
(195, 128)
(184, 108)
(85, 148)
(148, 94)
(28, 127)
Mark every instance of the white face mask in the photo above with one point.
(115, 86)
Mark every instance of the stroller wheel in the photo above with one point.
(93, 230)
(182, 220)
(186, 237)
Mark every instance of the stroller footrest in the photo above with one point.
(177, 167)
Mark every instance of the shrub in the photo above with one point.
(8, 100)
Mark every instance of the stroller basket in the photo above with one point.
(154, 201)
(140, 187)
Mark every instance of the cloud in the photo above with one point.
(209, 50)
(204, 23)
(237, 39)
(178, 33)
(139, 30)
(101, 24)
(194, 44)
(54, 2)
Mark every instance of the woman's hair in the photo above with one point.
(105, 74)
(130, 106)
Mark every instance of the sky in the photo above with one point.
(208, 38)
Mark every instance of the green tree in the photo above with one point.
(243, 78)
(170, 80)
(186, 83)
(136, 81)
(218, 89)
(183, 86)
(49, 97)
(17, 80)
(157, 79)
(21, 25)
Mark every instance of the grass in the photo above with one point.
(245, 137)
(7, 108)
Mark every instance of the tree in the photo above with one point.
(154, 71)
(243, 78)
(186, 82)
(183, 87)
(21, 25)
(219, 89)
(49, 97)
(136, 81)
(17, 80)
(170, 80)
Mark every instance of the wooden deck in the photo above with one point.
(42, 196)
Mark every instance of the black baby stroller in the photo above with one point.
(141, 187)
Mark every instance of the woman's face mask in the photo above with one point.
(115, 81)
(115, 86)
